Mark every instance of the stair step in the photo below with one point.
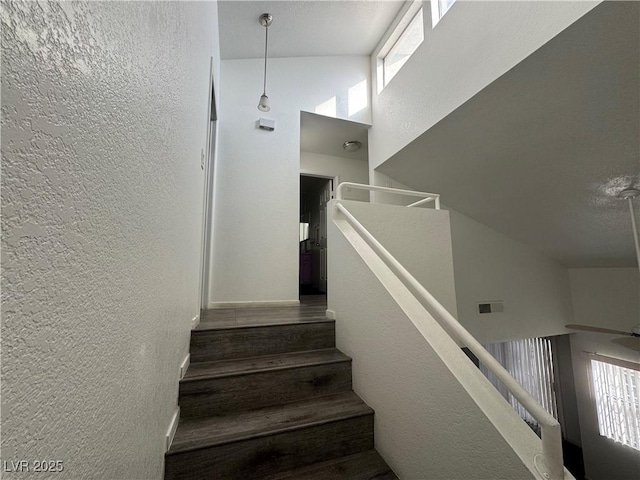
(214, 388)
(368, 465)
(270, 440)
(219, 341)
(242, 314)
(258, 321)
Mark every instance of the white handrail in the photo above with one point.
(551, 433)
(427, 197)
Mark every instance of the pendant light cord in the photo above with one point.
(266, 44)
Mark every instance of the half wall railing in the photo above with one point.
(426, 197)
(551, 464)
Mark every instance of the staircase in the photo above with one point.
(268, 396)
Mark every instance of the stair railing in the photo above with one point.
(426, 197)
(553, 466)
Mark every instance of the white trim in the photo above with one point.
(195, 321)
(255, 304)
(331, 315)
(184, 365)
(171, 431)
(206, 245)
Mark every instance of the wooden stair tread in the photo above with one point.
(197, 433)
(249, 312)
(243, 366)
(367, 465)
(221, 313)
(263, 321)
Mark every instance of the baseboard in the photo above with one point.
(184, 365)
(173, 426)
(195, 321)
(331, 315)
(265, 303)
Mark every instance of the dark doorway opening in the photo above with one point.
(315, 193)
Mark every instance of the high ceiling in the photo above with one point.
(304, 27)
(540, 154)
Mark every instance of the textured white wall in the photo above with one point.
(257, 199)
(605, 297)
(490, 266)
(419, 238)
(436, 415)
(104, 115)
(349, 170)
(471, 46)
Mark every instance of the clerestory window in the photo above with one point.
(438, 9)
(404, 41)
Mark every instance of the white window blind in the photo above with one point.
(617, 392)
(530, 362)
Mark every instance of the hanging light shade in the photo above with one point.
(265, 20)
(263, 105)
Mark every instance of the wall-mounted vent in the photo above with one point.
(490, 307)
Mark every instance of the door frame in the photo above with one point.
(208, 165)
(335, 181)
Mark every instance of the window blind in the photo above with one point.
(617, 398)
(530, 362)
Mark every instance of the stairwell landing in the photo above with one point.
(268, 396)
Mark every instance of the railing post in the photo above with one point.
(552, 451)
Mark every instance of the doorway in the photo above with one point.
(315, 193)
(208, 166)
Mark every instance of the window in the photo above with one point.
(404, 41)
(438, 9)
(530, 362)
(616, 386)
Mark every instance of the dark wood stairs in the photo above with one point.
(268, 396)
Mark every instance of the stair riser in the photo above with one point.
(361, 466)
(257, 457)
(248, 392)
(210, 345)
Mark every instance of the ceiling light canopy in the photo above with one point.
(351, 145)
(265, 20)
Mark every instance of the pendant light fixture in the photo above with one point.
(265, 20)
